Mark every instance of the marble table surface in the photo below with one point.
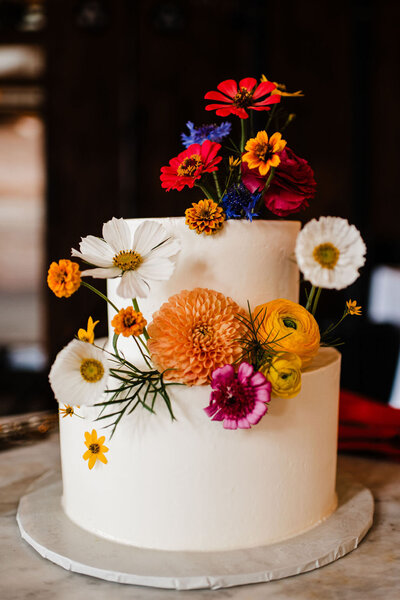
(371, 571)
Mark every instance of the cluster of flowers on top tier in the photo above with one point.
(259, 174)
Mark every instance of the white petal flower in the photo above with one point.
(147, 256)
(79, 374)
(329, 252)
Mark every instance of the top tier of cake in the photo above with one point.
(246, 261)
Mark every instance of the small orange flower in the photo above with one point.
(129, 322)
(95, 449)
(262, 153)
(67, 411)
(64, 278)
(352, 308)
(280, 89)
(194, 333)
(205, 216)
(87, 335)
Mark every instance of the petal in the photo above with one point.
(86, 455)
(133, 286)
(228, 87)
(92, 461)
(167, 249)
(217, 96)
(102, 458)
(230, 424)
(117, 234)
(94, 251)
(147, 236)
(243, 423)
(248, 82)
(245, 371)
(156, 269)
(101, 273)
(266, 87)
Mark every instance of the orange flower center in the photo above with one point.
(91, 370)
(129, 320)
(94, 448)
(263, 151)
(243, 98)
(69, 410)
(189, 165)
(202, 335)
(127, 261)
(326, 255)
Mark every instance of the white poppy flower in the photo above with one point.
(148, 255)
(329, 252)
(79, 374)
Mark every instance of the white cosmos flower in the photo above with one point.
(79, 374)
(329, 252)
(148, 255)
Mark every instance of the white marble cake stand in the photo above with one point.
(44, 526)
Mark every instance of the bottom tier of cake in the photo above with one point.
(191, 485)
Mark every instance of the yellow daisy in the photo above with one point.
(87, 335)
(67, 411)
(352, 308)
(95, 449)
(280, 89)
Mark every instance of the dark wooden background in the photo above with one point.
(124, 76)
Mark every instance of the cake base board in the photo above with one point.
(44, 525)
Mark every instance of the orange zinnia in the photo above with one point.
(129, 322)
(64, 278)
(262, 153)
(205, 216)
(193, 334)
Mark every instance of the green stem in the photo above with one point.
(136, 307)
(310, 297)
(271, 116)
(317, 295)
(93, 289)
(205, 190)
(243, 134)
(217, 185)
(141, 352)
(332, 327)
(260, 203)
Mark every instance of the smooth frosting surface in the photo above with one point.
(191, 485)
(246, 261)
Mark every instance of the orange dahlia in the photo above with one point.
(262, 153)
(194, 333)
(205, 216)
(64, 278)
(129, 322)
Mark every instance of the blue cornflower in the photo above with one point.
(239, 202)
(197, 135)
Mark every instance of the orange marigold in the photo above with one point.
(129, 322)
(205, 216)
(194, 333)
(64, 278)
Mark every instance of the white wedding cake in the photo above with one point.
(190, 484)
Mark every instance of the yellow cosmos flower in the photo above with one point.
(284, 373)
(289, 327)
(87, 335)
(234, 162)
(95, 449)
(205, 216)
(280, 89)
(262, 152)
(64, 278)
(352, 308)
(129, 322)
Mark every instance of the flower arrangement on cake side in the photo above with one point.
(247, 355)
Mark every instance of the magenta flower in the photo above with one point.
(238, 399)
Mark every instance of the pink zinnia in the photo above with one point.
(238, 399)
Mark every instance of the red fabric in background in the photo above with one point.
(366, 425)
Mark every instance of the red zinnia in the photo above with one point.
(190, 165)
(235, 100)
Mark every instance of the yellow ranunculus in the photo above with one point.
(284, 373)
(288, 327)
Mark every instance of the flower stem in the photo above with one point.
(243, 134)
(271, 116)
(136, 307)
(260, 203)
(310, 298)
(96, 291)
(217, 185)
(205, 190)
(317, 295)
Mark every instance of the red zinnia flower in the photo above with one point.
(235, 100)
(190, 165)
